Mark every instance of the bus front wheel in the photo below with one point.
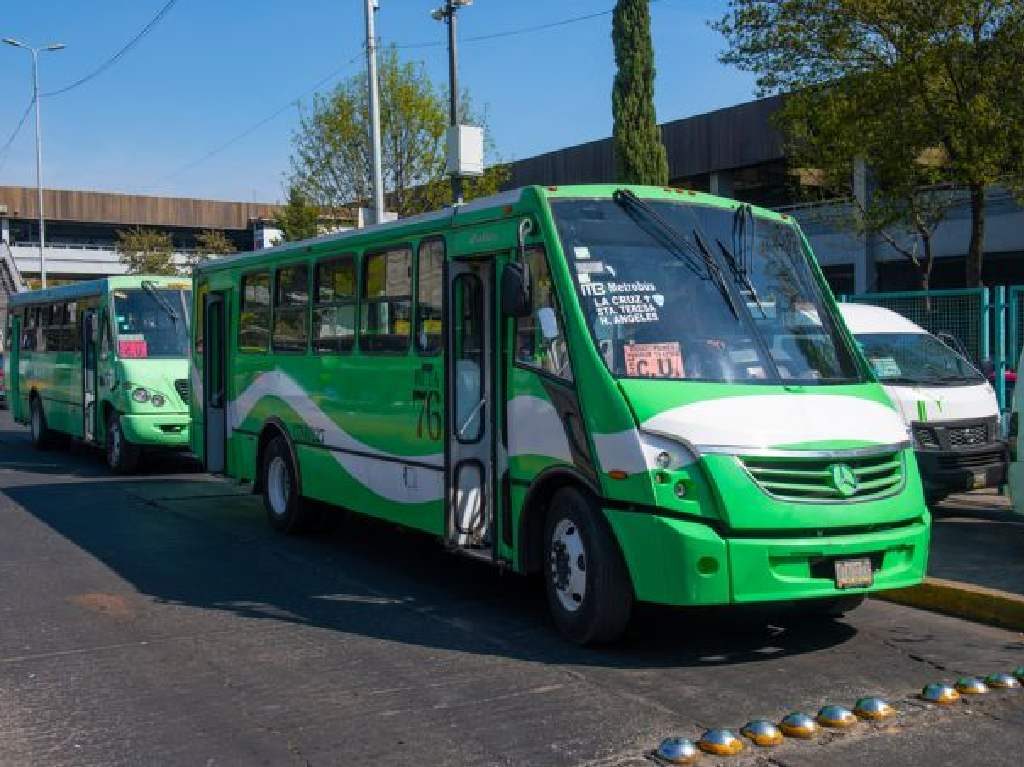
(42, 437)
(286, 509)
(122, 455)
(588, 587)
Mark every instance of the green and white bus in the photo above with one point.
(103, 361)
(644, 394)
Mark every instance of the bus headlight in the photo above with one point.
(140, 394)
(157, 400)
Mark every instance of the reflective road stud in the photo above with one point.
(836, 716)
(762, 732)
(873, 709)
(677, 751)
(720, 743)
(940, 692)
(1001, 681)
(798, 725)
(970, 685)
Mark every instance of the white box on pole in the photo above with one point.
(465, 150)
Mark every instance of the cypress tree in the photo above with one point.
(640, 157)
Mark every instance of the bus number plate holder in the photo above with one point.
(853, 573)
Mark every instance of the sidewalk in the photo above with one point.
(976, 567)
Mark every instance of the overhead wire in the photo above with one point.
(510, 32)
(5, 150)
(120, 53)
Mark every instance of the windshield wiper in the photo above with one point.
(679, 244)
(740, 274)
(160, 300)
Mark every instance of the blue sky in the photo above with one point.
(213, 68)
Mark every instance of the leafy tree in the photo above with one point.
(298, 219)
(211, 244)
(146, 251)
(331, 159)
(640, 157)
(894, 80)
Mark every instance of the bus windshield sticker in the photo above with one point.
(654, 360)
(582, 252)
(132, 347)
(590, 267)
(886, 367)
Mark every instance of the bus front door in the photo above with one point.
(215, 384)
(89, 334)
(470, 419)
(13, 377)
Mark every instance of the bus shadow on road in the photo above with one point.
(368, 580)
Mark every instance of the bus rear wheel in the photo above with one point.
(122, 455)
(286, 510)
(42, 437)
(588, 587)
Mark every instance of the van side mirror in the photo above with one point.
(516, 300)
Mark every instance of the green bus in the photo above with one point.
(105, 362)
(644, 394)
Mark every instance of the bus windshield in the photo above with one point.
(152, 322)
(698, 293)
(916, 359)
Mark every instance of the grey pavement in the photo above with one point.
(157, 620)
(976, 539)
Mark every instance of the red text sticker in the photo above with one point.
(654, 360)
(132, 349)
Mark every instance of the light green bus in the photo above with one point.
(644, 394)
(103, 361)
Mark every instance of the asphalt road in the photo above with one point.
(157, 620)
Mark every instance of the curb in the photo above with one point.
(962, 600)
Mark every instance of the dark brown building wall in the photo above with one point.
(130, 210)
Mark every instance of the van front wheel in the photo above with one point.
(588, 587)
(42, 437)
(122, 455)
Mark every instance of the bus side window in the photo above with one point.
(334, 314)
(254, 314)
(291, 305)
(28, 329)
(104, 335)
(429, 272)
(540, 338)
(386, 321)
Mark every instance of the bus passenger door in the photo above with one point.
(89, 332)
(215, 384)
(13, 376)
(470, 417)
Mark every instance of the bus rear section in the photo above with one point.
(641, 394)
(104, 362)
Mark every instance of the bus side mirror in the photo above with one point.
(516, 300)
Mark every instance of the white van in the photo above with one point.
(949, 407)
(1015, 472)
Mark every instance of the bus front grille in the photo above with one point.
(181, 386)
(818, 479)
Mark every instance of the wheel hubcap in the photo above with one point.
(279, 486)
(568, 565)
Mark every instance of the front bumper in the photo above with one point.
(676, 561)
(170, 430)
(952, 471)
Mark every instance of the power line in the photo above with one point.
(257, 125)
(4, 151)
(117, 56)
(512, 32)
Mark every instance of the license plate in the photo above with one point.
(851, 573)
(979, 480)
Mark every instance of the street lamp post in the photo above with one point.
(39, 143)
(447, 13)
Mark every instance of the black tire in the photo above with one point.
(42, 437)
(601, 611)
(286, 509)
(122, 455)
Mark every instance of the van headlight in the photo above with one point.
(157, 400)
(140, 394)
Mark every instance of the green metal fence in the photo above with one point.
(989, 322)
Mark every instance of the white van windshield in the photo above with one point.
(916, 359)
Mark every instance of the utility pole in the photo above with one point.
(448, 13)
(39, 145)
(374, 98)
